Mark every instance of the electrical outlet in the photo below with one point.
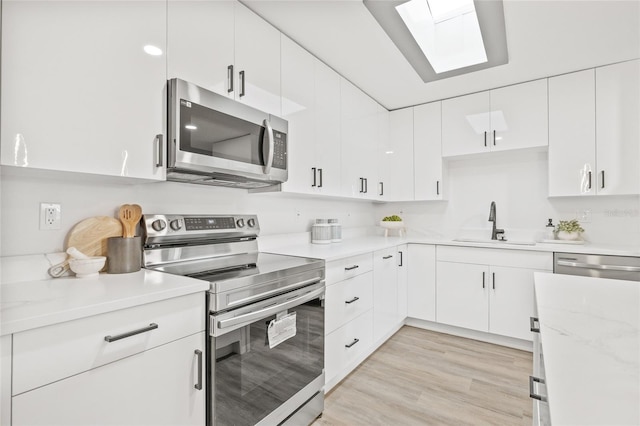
(50, 216)
(584, 216)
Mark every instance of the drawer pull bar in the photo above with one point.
(351, 268)
(110, 339)
(387, 257)
(352, 343)
(198, 385)
(532, 325)
(532, 393)
(355, 299)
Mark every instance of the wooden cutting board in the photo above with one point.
(90, 235)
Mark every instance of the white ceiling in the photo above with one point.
(544, 38)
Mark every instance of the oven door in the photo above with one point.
(211, 133)
(267, 359)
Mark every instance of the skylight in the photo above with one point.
(447, 32)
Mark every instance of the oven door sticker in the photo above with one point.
(281, 329)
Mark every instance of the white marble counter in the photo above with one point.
(31, 304)
(590, 331)
(359, 245)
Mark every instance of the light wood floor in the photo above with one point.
(420, 377)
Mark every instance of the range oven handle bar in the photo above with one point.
(270, 310)
(277, 290)
(596, 266)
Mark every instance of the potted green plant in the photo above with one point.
(569, 230)
(392, 222)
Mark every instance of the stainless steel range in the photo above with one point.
(265, 361)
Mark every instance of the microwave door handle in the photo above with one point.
(267, 153)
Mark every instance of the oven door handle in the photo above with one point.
(270, 310)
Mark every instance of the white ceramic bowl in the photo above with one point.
(87, 267)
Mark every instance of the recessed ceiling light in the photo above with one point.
(448, 34)
(152, 50)
(190, 127)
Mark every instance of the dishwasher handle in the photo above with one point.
(599, 267)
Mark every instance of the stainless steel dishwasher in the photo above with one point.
(600, 266)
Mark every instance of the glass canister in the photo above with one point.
(321, 232)
(336, 231)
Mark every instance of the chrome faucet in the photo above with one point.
(492, 218)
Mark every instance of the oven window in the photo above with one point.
(251, 380)
(215, 134)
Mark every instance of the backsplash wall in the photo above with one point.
(277, 213)
(517, 182)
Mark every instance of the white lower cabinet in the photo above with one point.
(5, 380)
(421, 293)
(385, 293)
(155, 387)
(347, 300)
(488, 290)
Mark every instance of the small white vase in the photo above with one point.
(571, 236)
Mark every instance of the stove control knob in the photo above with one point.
(240, 223)
(251, 223)
(159, 225)
(176, 224)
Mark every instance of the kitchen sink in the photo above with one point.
(489, 241)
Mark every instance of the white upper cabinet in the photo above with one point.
(396, 156)
(430, 173)
(618, 129)
(507, 118)
(200, 43)
(257, 61)
(359, 139)
(79, 92)
(384, 146)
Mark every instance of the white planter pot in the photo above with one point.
(564, 235)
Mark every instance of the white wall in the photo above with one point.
(517, 182)
(81, 198)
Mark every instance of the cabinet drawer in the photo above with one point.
(348, 299)
(348, 345)
(499, 257)
(47, 354)
(340, 270)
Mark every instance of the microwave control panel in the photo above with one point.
(279, 150)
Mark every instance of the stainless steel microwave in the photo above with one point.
(215, 140)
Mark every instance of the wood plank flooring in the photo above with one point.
(420, 377)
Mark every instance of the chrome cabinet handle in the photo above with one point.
(389, 256)
(313, 170)
(532, 324)
(110, 338)
(269, 148)
(198, 385)
(601, 179)
(355, 299)
(381, 189)
(483, 280)
(242, 78)
(493, 280)
(320, 173)
(352, 343)
(159, 150)
(600, 267)
(230, 78)
(351, 268)
(401, 260)
(532, 393)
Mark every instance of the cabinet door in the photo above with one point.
(327, 129)
(358, 133)
(572, 143)
(347, 299)
(403, 281)
(466, 123)
(429, 172)
(155, 387)
(511, 303)
(79, 92)
(421, 297)
(298, 102)
(5, 379)
(463, 295)
(396, 157)
(385, 293)
(257, 61)
(618, 128)
(519, 117)
(200, 43)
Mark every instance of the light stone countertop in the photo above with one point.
(590, 332)
(32, 304)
